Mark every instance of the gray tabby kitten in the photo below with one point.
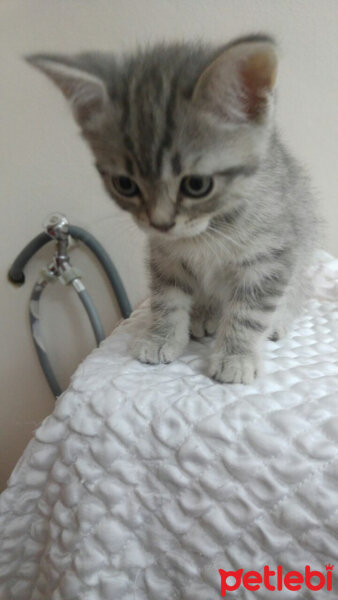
(184, 139)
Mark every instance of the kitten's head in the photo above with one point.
(177, 131)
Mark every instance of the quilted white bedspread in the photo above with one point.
(146, 480)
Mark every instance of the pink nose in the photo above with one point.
(164, 227)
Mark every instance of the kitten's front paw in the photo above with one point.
(278, 332)
(234, 368)
(203, 325)
(155, 350)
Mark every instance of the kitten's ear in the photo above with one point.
(237, 85)
(86, 93)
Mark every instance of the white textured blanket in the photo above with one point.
(145, 481)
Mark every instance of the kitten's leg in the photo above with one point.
(204, 320)
(169, 330)
(245, 323)
(298, 290)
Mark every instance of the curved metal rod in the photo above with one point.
(90, 309)
(15, 273)
(16, 276)
(103, 257)
(34, 318)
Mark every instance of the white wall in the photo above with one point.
(45, 166)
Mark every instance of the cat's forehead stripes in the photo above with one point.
(129, 165)
(166, 140)
(129, 145)
(148, 121)
(154, 88)
(176, 163)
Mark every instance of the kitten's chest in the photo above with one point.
(211, 269)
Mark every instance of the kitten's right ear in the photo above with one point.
(237, 86)
(86, 93)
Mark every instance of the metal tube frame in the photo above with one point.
(60, 269)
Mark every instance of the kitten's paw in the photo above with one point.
(196, 328)
(155, 350)
(234, 368)
(278, 332)
(211, 325)
(201, 326)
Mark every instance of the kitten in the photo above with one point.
(184, 139)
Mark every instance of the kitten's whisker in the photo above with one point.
(224, 236)
(215, 242)
(208, 239)
(124, 225)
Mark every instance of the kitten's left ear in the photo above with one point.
(238, 84)
(86, 93)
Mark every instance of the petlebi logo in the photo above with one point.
(277, 580)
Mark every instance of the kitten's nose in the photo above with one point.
(164, 227)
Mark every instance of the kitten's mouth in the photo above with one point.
(177, 233)
(173, 230)
(162, 228)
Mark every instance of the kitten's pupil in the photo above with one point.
(125, 186)
(125, 183)
(196, 186)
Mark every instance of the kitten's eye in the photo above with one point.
(196, 186)
(125, 186)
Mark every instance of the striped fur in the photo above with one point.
(233, 262)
